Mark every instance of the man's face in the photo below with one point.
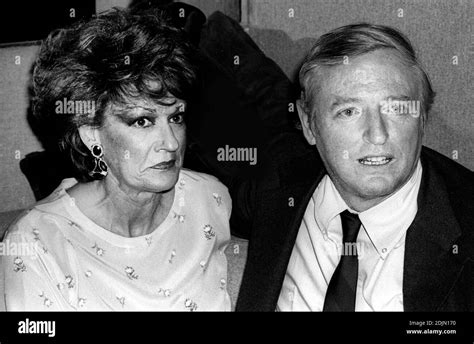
(368, 147)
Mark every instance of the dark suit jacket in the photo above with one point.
(439, 253)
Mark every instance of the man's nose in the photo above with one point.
(375, 131)
(166, 139)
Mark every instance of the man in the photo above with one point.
(371, 221)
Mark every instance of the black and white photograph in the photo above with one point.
(288, 156)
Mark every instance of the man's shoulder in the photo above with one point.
(454, 174)
(458, 182)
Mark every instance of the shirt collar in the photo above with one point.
(384, 223)
(389, 220)
(328, 203)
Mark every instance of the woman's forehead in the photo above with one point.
(163, 105)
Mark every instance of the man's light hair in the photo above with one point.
(349, 41)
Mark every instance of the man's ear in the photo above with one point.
(89, 135)
(305, 119)
(424, 118)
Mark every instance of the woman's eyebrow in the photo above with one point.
(135, 107)
(132, 110)
(129, 112)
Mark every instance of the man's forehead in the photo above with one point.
(372, 72)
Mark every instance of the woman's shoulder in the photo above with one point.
(201, 185)
(200, 180)
(43, 215)
(26, 225)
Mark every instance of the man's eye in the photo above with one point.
(391, 110)
(349, 112)
(142, 122)
(177, 119)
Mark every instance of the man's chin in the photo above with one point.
(376, 187)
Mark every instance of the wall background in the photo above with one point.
(285, 30)
(16, 136)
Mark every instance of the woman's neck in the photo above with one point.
(121, 210)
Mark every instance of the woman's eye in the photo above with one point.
(349, 112)
(177, 119)
(142, 122)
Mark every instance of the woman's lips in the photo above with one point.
(165, 165)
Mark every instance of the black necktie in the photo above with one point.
(341, 293)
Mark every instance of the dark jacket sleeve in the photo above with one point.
(245, 101)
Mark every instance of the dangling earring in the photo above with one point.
(100, 167)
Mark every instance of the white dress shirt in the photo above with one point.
(380, 245)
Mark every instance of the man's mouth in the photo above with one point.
(375, 160)
(165, 165)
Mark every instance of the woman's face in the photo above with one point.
(144, 143)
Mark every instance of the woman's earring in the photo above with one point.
(100, 167)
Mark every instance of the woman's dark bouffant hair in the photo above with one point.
(106, 60)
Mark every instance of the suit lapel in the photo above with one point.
(431, 266)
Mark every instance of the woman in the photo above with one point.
(133, 231)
